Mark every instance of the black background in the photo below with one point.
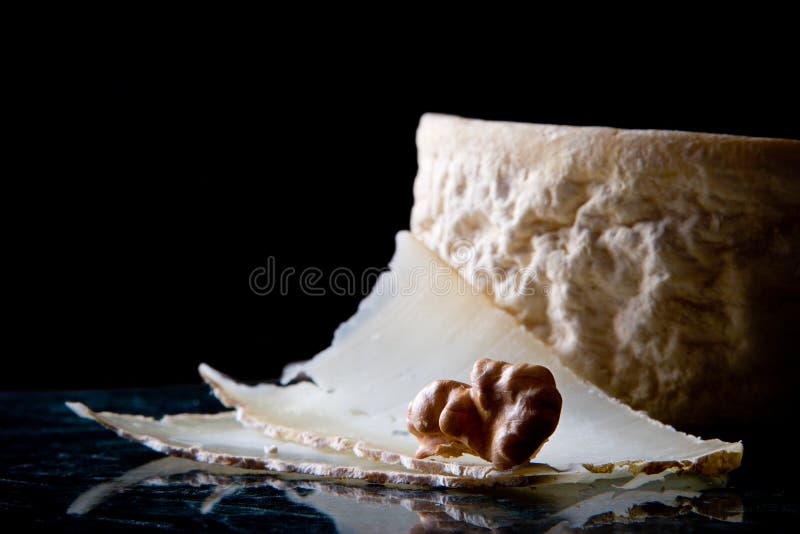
(164, 178)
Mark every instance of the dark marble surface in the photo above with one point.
(61, 473)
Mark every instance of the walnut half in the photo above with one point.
(505, 416)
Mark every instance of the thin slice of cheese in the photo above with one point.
(422, 322)
(220, 439)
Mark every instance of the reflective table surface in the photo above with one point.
(62, 473)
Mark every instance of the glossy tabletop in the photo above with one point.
(58, 472)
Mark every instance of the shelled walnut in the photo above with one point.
(505, 416)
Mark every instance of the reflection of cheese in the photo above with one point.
(662, 266)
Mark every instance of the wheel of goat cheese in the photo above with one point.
(661, 266)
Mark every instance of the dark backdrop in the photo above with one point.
(167, 178)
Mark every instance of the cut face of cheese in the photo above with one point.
(220, 439)
(421, 323)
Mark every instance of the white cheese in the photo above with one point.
(423, 322)
(661, 266)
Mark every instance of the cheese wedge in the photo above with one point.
(423, 322)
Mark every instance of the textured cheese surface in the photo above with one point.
(661, 266)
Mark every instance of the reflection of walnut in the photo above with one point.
(504, 417)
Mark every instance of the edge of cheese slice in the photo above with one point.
(219, 439)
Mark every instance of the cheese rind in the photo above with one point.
(661, 266)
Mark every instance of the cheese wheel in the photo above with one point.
(662, 266)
